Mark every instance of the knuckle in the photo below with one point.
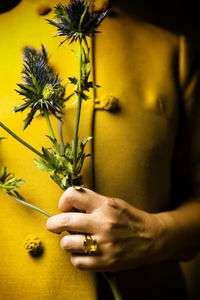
(110, 246)
(65, 243)
(71, 195)
(111, 202)
(109, 226)
(108, 201)
(69, 191)
(114, 251)
(64, 220)
(67, 195)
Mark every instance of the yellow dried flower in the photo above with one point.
(33, 244)
(107, 102)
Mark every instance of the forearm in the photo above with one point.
(180, 230)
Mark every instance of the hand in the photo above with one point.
(126, 237)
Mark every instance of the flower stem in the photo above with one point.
(49, 124)
(30, 205)
(113, 285)
(61, 136)
(76, 127)
(20, 140)
(86, 45)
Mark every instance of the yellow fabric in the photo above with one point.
(148, 70)
(51, 275)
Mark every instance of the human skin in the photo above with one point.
(127, 237)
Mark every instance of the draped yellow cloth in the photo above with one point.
(152, 73)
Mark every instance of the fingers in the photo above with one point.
(93, 263)
(83, 199)
(73, 243)
(76, 222)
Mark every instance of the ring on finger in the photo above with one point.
(89, 245)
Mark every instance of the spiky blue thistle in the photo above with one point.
(76, 20)
(41, 89)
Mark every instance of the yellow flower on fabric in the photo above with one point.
(107, 102)
(33, 244)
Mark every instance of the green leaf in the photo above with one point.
(68, 150)
(81, 163)
(68, 97)
(84, 97)
(3, 174)
(88, 138)
(27, 88)
(35, 82)
(49, 156)
(65, 182)
(87, 68)
(44, 52)
(83, 15)
(84, 57)
(91, 84)
(73, 80)
(19, 196)
(21, 107)
(57, 146)
(82, 147)
(8, 182)
(43, 165)
(29, 118)
(57, 179)
(54, 23)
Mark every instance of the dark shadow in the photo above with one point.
(37, 254)
(178, 17)
(157, 282)
(8, 5)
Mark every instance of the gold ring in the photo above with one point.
(89, 244)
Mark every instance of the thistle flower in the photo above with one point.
(41, 89)
(77, 20)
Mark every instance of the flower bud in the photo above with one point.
(48, 92)
(33, 244)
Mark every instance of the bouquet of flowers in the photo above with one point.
(44, 94)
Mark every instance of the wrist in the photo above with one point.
(162, 242)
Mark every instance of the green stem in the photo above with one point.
(76, 127)
(30, 205)
(61, 136)
(49, 124)
(20, 140)
(113, 285)
(86, 45)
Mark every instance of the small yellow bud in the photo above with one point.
(48, 91)
(107, 102)
(33, 244)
